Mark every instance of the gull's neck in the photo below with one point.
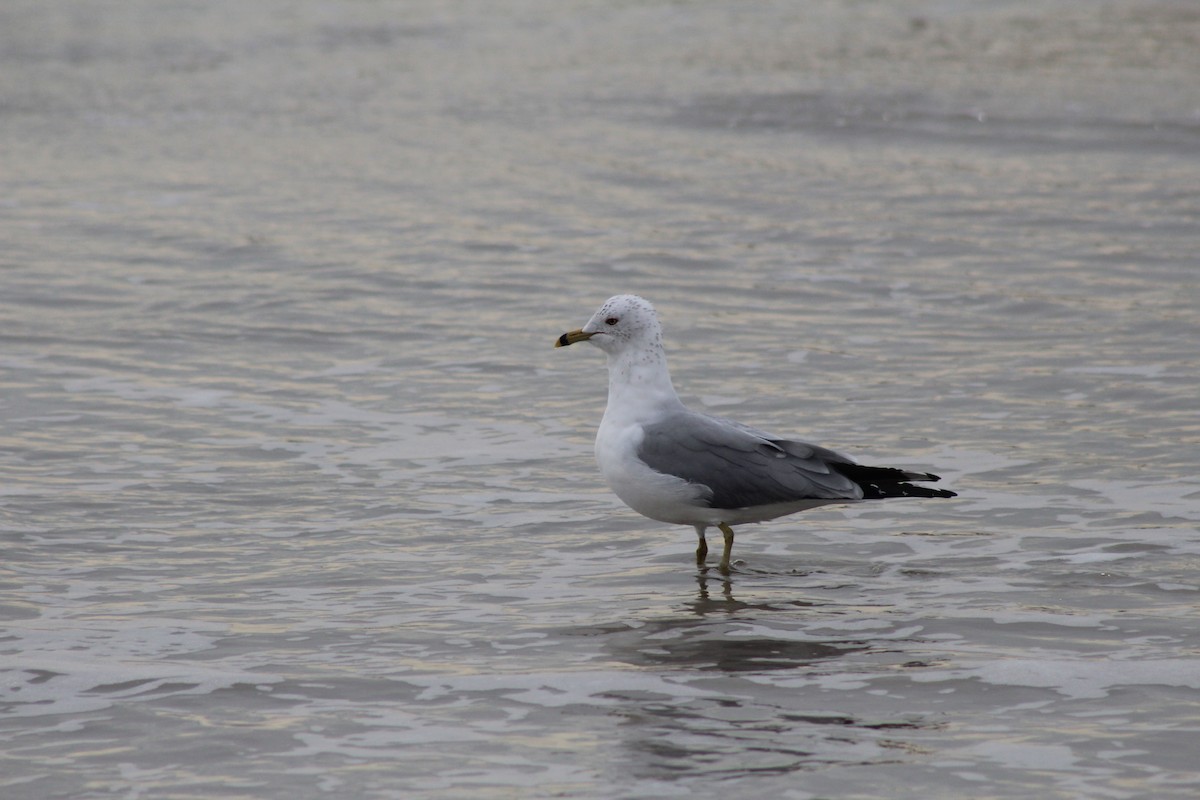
(639, 385)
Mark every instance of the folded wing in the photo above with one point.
(741, 467)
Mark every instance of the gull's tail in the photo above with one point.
(880, 482)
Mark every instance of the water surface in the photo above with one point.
(298, 499)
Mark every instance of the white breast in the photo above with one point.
(665, 498)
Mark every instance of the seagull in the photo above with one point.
(679, 466)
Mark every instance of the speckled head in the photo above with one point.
(623, 320)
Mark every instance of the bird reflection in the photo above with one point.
(705, 603)
(713, 637)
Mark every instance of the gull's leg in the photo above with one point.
(728, 533)
(702, 547)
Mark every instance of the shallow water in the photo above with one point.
(298, 499)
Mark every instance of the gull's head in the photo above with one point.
(622, 322)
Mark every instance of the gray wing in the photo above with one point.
(742, 467)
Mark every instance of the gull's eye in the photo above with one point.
(611, 321)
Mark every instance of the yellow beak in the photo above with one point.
(571, 337)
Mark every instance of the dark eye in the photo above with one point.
(611, 321)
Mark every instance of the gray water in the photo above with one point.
(297, 499)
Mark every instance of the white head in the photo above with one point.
(627, 330)
(624, 321)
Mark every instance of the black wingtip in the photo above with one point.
(882, 491)
(878, 483)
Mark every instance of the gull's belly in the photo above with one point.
(661, 497)
(656, 495)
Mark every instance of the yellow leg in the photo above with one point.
(701, 547)
(727, 532)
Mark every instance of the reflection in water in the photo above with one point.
(715, 638)
(731, 733)
(728, 733)
(718, 649)
(705, 603)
